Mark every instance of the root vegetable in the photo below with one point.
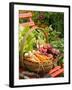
(54, 69)
(41, 57)
(60, 71)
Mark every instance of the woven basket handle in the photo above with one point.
(24, 39)
(33, 28)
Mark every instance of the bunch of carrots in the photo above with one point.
(42, 57)
(38, 57)
(56, 71)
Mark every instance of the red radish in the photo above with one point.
(44, 50)
(58, 72)
(54, 69)
(41, 49)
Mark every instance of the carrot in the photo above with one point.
(58, 72)
(45, 56)
(41, 57)
(54, 69)
(36, 58)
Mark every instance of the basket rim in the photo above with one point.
(36, 61)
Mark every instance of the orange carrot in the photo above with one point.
(36, 58)
(54, 69)
(45, 56)
(41, 57)
(58, 72)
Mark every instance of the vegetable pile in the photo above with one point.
(37, 50)
(41, 49)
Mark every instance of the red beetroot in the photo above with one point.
(48, 49)
(42, 50)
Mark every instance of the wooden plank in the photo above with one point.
(25, 15)
(28, 24)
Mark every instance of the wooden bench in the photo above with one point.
(28, 16)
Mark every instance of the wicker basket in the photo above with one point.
(37, 67)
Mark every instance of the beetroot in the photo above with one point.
(48, 50)
(41, 49)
